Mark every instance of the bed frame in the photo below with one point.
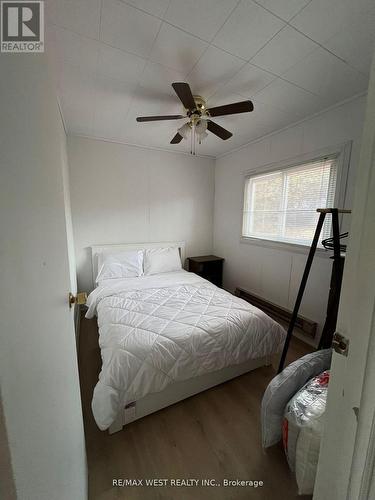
(179, 390)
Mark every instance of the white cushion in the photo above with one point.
(162, 260)
(283, 387)
(120, 265)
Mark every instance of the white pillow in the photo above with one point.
(162, 260)
(120, 265)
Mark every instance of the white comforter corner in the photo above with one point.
(155, 330)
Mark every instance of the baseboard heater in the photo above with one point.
(277, 312)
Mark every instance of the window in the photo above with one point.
(280, 205)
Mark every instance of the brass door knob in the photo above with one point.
(79, 299)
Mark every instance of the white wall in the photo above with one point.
(38, 363)
(274, 273)
(125, 194)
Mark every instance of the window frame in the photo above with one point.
(343, 152)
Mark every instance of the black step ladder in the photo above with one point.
(336, 280)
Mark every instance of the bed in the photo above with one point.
(168, 336)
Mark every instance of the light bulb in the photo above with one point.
(202, 136)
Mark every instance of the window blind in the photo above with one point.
(281, 205)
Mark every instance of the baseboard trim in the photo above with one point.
(305, 325)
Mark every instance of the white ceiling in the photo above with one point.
(116, 60)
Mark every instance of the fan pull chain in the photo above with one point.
(194, 141)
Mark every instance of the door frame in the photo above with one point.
(359, 472)
(361, 479)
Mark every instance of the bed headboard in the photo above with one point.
(123, 247)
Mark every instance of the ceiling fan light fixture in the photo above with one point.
(201, 136)
(184, 130)
(201, 126)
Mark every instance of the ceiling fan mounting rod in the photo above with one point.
(199, 109)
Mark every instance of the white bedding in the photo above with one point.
(155, 330)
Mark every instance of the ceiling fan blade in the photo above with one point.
(176, 139)
(231, 109)
(157, 118)
(218, 130)
(185, 95)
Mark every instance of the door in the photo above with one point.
(38, 361)
(348, 448)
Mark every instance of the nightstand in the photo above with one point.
(209, 267)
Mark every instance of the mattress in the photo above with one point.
(156, 330)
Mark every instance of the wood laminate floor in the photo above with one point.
(213, 435)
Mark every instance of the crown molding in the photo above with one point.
(294, 124)
(140, 146)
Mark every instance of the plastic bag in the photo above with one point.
(302, 430)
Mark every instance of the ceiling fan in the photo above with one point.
(199, 116)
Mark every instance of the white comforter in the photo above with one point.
(155, 330)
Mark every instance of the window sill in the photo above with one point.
(286, 247)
